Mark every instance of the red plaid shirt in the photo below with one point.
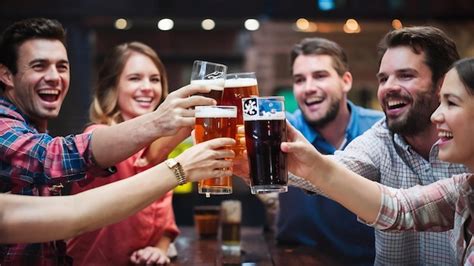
(34, 163)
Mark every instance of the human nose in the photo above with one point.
(437, 116)
(389, 85)
(52, 75)
(146, 85)
(310, 85)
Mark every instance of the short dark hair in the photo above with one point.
(440, 50)
(321, 46)
(465, 69)
(19, 32)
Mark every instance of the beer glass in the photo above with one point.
(265, 129)
(215, 122)
(206, 221)
(237, 87)
(209, 74)
(231, 216)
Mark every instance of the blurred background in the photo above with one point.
(246, 35)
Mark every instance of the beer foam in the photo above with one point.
(231, 211)
(213, 111)
(217, 84)
(240, 82)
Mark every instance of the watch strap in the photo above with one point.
(177, 169)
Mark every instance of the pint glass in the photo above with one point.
(215, 122)
(265, 129)
(207, 73)
(231, 216)
(237, 87)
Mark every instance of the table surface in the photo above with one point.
(257, 248)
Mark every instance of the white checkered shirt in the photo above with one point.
(384, 157)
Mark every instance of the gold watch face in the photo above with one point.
(171, 163)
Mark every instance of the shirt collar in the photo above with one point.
(312, 135)
(400, 141)
(7, 108)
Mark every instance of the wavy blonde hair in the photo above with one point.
(104, 108)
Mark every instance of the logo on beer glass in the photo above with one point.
(261, 108)
(250, 107)
(214, 75)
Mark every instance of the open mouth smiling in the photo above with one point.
(49, 95)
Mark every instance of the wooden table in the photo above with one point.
(257, 249)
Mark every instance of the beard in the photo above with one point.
(417, 119)
(329, 116)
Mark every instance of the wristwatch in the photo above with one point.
(177, 169)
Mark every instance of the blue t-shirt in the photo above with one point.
(317, 221)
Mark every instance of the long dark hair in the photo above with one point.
(465, 69)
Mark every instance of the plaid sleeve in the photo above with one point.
(28, 156)
(420, 208)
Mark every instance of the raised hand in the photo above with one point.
(177, 110)
(212, 158)
(302, 156)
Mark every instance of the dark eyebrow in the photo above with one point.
(379, 75)
(451, 95)
(44, 60)
(312, 73)
(398, 71)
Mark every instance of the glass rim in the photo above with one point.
(240, 73)
(228, 111)
(265, 97)
(210, 63)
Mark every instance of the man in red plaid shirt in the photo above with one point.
(34, 79)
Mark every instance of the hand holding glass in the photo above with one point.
(215, 122)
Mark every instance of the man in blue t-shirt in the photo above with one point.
(321, 81)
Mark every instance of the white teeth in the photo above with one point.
(445, 134)
(316, 99)
(144, 99)
(51, 92)
(394, 102)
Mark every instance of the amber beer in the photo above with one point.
(239, 86)
(231, 216)
(215, 122)
(265, 129)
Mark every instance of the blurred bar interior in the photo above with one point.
(246, 35)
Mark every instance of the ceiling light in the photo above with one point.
(165, 24)
(208, 24)
(252, 24)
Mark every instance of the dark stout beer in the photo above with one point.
(265, 129)
(267, 162)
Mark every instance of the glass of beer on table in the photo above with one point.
(215, 122)
(237, 87)
(265, 130)
(231, 216)
(209, 74)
